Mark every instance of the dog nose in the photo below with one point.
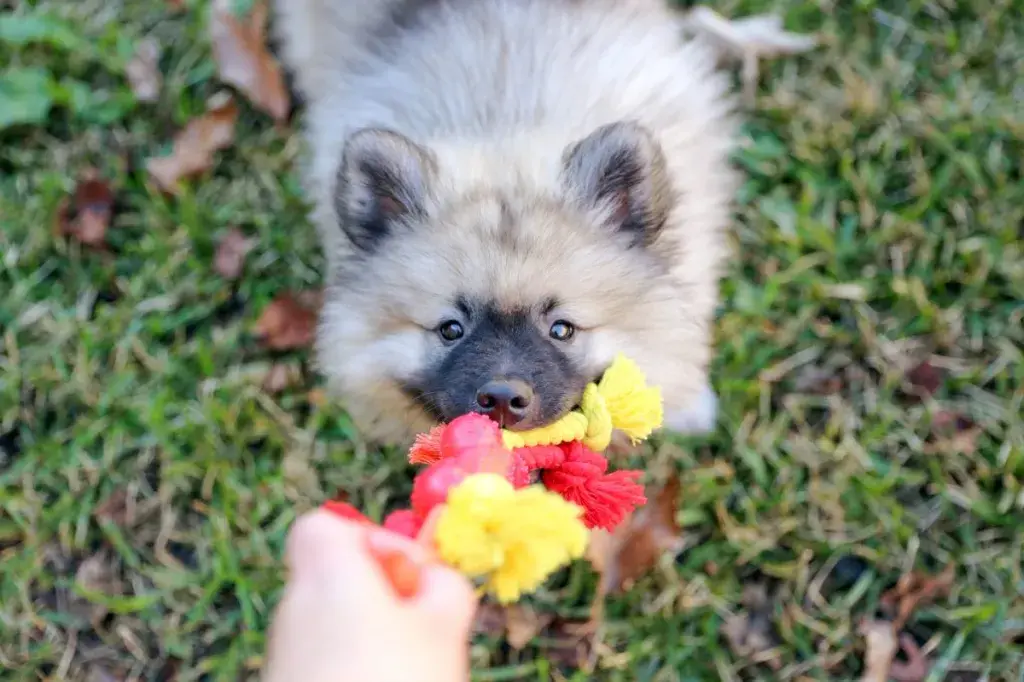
(506, 401)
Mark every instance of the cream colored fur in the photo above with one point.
(497, 90)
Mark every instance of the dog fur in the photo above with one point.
(510, 164)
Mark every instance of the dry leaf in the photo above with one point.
(144, 73)
(289, 321)
(176, 5)
(914, 589)
(916, 667)
(118, 509)
(279, 377)
(489, 620)
(954, 434)
(239, 48)
(637, 544)
(880, 649)
(925, 378)
(100, 673)
(87, 216)
(98, 573)
(195, 146)
(750, 633)
(522, 624)
(229, 260)
(749, 40)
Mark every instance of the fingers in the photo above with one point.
(328, 553)
(366, 564)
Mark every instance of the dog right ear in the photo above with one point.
(382, 182)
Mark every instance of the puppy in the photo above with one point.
(509, 193)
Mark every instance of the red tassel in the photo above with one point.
(427, 448)
(606, 499)
(403, 522)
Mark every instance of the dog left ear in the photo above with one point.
(621, 169)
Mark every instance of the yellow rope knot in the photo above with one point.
(621, 400)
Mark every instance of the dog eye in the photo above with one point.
(562, 330)
(451, 330)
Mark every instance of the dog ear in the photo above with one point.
(382, 182)
(620, 168)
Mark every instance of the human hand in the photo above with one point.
(341, 619)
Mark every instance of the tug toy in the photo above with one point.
(509, 508)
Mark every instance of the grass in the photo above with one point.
(880, 226)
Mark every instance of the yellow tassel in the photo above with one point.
(513, 539)
(635, 408)
(622, 400)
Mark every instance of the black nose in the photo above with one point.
(506, 401)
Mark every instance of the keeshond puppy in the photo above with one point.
(509, 193)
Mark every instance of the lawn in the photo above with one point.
(869, 365)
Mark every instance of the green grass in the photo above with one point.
(881, 224)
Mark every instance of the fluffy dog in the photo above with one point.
(509, 193)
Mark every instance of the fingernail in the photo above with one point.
(402, 571)
(344, 510)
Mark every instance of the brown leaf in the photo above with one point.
(229, 260)
(289, 321)
(489, 620)
(916, 667)
(176, 5)
(239, 48)
(98, 573)
(144, 73)
(880, 649)
(195, 146)
(87, 215)
(522, 624)
(750, 632)
(518, 623)
(117, 509)
(637, 544)
(279, 377)
(925, 378)
(953, 434)
(914, 589)
(100, 673)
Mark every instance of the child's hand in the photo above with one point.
(340, 618)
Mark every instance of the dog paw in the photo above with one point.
(698, 417)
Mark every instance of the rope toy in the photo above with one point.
(476, 502)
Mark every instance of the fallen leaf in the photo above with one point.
(914, 589)
(144, 73)
(100, 673)
(749, 40)
(317, 397)
(98, 573)
(87, 215)
(195, 145)
(636, 545)
(489, 620)
(289, 321)
(176, 5)
(750, 632)
(517, 623)
(522, 624)
(239, 49)
(880, 649)
(916, 667)
(118, 509)
(925, 378)
(279, 377)
(229, 260)
(953, 434)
